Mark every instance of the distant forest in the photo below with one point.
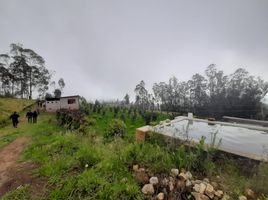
(213, 94)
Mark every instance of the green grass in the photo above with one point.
(9, 105)
(85, 166)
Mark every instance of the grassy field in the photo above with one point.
(9, 105)
(84, 165)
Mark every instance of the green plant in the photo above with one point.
(116, 128)
(259, 181)
(21, 193)
(88, 156)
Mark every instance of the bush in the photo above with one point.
(116, 128)
(70, 120)
(87, 155)
(149, 155)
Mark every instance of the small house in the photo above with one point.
(62, 103)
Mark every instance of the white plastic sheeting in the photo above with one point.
(233, 139)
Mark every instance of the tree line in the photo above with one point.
(213, 94)
(23, 71)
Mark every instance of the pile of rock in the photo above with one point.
(179, 184)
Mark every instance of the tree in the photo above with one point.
(57, 93)
(26, 71)
(61, 84)
(142, 100)
(198, 93)
(126, 99)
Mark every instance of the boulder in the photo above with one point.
(148, 189)
(198, 196)
(210, 191)
(154, 180)
(174, 172)
(160, 196)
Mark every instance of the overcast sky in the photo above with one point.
(102, 49)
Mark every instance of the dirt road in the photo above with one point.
(8, 162)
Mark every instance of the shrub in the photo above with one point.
(70, 120)
(153, 156)
(87, 155)
(116, 128)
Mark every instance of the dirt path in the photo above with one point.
(8, 161)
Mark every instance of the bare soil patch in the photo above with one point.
(13, 173)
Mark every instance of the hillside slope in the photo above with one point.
(9, 105)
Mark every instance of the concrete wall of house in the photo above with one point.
(52, 106)
(71, 103)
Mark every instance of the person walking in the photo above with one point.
(29, 115)
(35, 117)
(15, 119)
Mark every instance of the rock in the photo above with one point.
(183, 176)
(148, 189)
(171, 186)
(198, 196)
(209, 191)
(141, 170)
(135, 168)
(242, 198)
(141, 177)
(189, 175)
(171, 179)
(219, 194)
(196, 182)
(164, 182)
(206, 180)
(161, 196)
(249, 193)
(215, 185)
(154, 180)
(200, 188)
(174, 172)
(181, 184)
(188, 183)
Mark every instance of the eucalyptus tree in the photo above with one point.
(142, 96)
(26, 71)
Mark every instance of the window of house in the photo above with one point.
(71, 101)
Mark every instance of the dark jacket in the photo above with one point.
(14, 117)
